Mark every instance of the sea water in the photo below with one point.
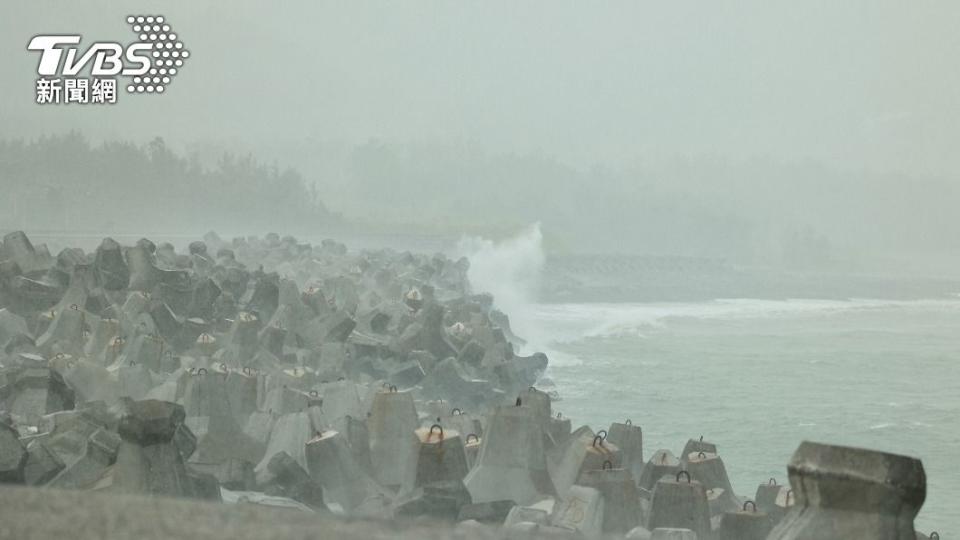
(757, 377)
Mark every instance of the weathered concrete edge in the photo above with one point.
(28, 513)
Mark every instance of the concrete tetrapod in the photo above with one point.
(767, 495)
(100, 453)
(560, 428)
(621, 508)
(441, 457)
(289, 434)
(680, 502)
(662, 463)
(582, 452)
(708, 469)
(357, 435)
(744, 524)
(393, 445)
(462, 422)
(629, 439)
(38, 391)
(539, 401)
(65, 333)
(149, 459)
(13, 456)
(42, 464)
(330, 462)
(851, 493)
(581, 509)
(696, 445)
(511, 463)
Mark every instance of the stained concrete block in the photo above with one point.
(13, 456)
(852, 493)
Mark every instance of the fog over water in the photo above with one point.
(762, 132)
(732, 219)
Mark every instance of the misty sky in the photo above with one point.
(855, 84)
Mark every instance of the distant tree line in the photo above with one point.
(64, 182)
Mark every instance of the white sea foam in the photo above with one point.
(565, 323)
(510, 270)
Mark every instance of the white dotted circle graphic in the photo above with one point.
(168, 53)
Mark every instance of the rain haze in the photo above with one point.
(719, 130)
(660, 195)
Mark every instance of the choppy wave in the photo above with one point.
(565, 323)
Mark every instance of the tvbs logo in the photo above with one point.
(149, 64)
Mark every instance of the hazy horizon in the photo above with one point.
(768, 133)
